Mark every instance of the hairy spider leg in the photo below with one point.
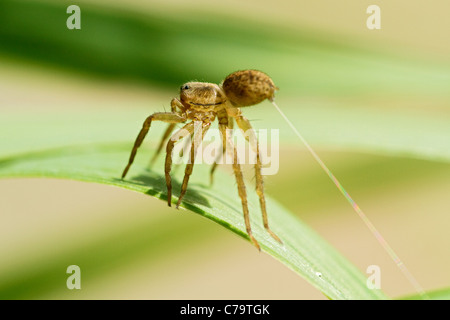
(187, 130)
(160, 116)
(240, 182)
(174, 104)
(162, 142)
(219, 155)
(198, 137)
(250, 135)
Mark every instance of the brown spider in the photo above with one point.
(202, 102)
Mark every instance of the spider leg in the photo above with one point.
(198, 137)
(162, 142)
(185, 143)
(174, 104)
(160, 116)
(229, 123)
(250, 136)
(188, 129)
(240, 182)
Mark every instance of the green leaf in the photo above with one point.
(86, 148)
(441, 294)
(303, 251)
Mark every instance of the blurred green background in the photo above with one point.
(345, 86)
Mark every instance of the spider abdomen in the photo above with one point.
(248, 87)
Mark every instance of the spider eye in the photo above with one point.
(185, 87)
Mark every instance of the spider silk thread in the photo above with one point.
(358, 210)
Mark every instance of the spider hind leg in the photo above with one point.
(250, 136)
(240, 183)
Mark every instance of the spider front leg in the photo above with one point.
(198, 138)
(163, 140)
(170, 117)
(250, 136)
(240, 182)
(174, 105)
(187, 130)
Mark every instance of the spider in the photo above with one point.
(202, 103)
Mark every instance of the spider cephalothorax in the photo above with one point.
(203, 102)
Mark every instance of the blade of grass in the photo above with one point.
(421, 136)
(303, 251)
(173, 48)
(441, 294)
